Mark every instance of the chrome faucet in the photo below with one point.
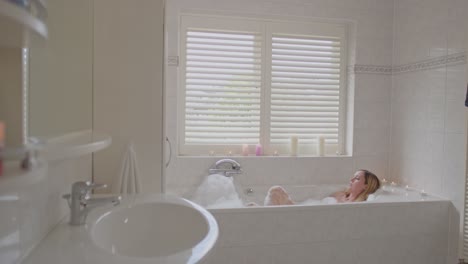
(81, 203)
(228, 167)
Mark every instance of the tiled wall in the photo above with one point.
(428, 136)
(428, 116)
(31, 204)
(372, 29)
(406, 233)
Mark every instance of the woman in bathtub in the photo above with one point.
(360, 187)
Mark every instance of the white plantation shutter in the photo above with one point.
(305, 88)
(251, 81)
(222, 87)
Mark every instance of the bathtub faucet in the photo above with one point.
(226, 167)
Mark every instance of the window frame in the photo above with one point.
(263, 26)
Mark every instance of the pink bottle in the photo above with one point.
(258, 150)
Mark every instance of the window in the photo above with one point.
(250, 81)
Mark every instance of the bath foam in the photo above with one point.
(217, 191)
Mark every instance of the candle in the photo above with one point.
(320, 146)
(211, 153)
(258, 150)
(293, 146)
(275, 153)
(423, 193)
(384, 184)
(245, 150)
(230, 153)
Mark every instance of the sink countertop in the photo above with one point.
(74, 245)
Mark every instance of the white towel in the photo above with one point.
(128, 180)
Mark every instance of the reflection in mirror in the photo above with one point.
(11, 96)
(60, 71)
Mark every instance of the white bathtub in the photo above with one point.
(398, 226)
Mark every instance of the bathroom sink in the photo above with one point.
(143, 229)
(154, 228)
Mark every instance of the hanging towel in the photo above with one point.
(128, 180)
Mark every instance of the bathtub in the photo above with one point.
(399, 225)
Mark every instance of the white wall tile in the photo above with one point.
(226, 255)
(376, 164)
(246, 229)
(455, 115)
(258, 255)
(371, 114)
(344, 252)
(435, 154)
(456, 83)
(300, 227)
(420, 30)
(454, 168)
(454, 239)
(456, 26)
(365, 234)
(302, 253)
(379, 251)
(371, 87)
(371, 141)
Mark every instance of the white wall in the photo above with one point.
(128, 66)
(372, 24)
(428, 113)
(429, 135)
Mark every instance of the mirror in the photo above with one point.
(46, 89)
(61, 73)
(11, 83)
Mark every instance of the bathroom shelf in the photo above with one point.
(17, 21)
(64, 147)
(75, 144)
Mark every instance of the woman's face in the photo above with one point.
(357, 183)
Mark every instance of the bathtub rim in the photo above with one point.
(434, 199)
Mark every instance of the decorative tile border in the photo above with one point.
(439, 62)
(371, 69)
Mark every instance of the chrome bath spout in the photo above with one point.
(227, 167)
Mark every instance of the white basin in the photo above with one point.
(150, 229)
(143, 229)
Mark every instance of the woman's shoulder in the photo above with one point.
(340, 196)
